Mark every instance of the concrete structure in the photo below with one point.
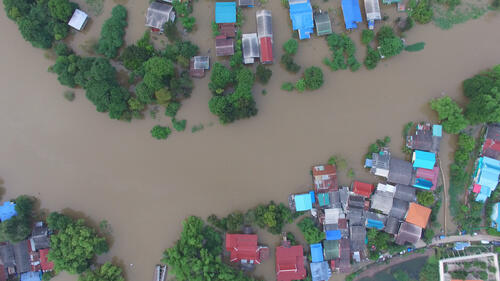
(446, 277)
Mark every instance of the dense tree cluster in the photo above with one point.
(389, 44)
(459, 178)
(106, 272)
(421, 11)
(450, 114)
(196, 256)
(313, 78)
(263, 74)
(160, 133)
(372, 58)
(343, 51)
(290, 47)
(41, 22)
(112, 32)
(74, 245)
(310, 231)
(483, 91)
(18, 227)
(135, 55)
(183, 11)
(232, 223)
(273, 216)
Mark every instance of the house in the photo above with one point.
(7, 210)
(356, 217)
(344, 197)
(331, 248)
(158, 14)
(408, 233)
(382, 201)
(244, 248)
(376, 221)
(392, 225)
(323, 23)
(344, 263)
(332, 216)
(44, 261)
(400, 171)
(424, 159)
(426, 179)
(320, 271)
(246, 3)
(352, 13)
(372, 9)
(357, 238)
(227, 29)
(198, 65)
(491, 145)
(22, 257)
(363, 189)
(380, 163)
(290, 263)
(399, 208)
(301, 14)
(495, 217)
(78, 20)
(333, 235)
(225, 12)
(323, 199)
(418, 215)
(487, 176)
(250, 45)
(325, 178)
(356, 202)
(302, 202)
(8, 258)
(316, 252)
(32, 276)
(405, 193)
(224, 46)
(265, 35)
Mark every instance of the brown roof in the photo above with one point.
(224, 46)
(325, 177)
(227, 29)
(408, 233)
(418, 215)
(198, 73)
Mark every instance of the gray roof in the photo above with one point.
(356, 201)
(7, 255)
(400, 171)
(21, 253)
(358, 237)
(41, 242)
(382, 201)
(320, 271)
(344, 196)
(356, 217)
(323, 23)
(493, 132)
(405, 193)
(380, 161)
(78, 19)
(345, 256)
(264, 24)
(372, 9)
(399, 208)
(39, 230)
(335, 199)
(158, 14)
(201, 62)
(375, 216)
(250, 45)
(392, 225)
(408, 233)
(246, 2)
(224, 46)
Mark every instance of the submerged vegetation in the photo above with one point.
(343, 50)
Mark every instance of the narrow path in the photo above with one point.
(445, 205)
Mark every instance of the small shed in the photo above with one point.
(78, 20)
(225, 12)
(323, 23)
(250, 45)
(158, 14)
(246, 3)
(391, 1)
(224, 46)
(352, 13)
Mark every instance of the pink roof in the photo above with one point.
(430, 175)
(363, 189)
(243, 247)
(290, 263)
(44, 260)
(476, 188)
(266, 50)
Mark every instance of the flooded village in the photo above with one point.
(87, 166)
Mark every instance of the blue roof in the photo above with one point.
(488, 172)
(303, 202)
(374, 224)
(424, 159)
(423, 184)
(459, 246)
(317, 252)
(7, 210)
(437, 130)
(320, 271)
(495, 217)
(352, 13)
(368, 163)
(225, 12)
(31, 276)
(333, 235)
(313, 198)
(301, 15)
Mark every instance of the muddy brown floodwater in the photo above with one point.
(69, 156)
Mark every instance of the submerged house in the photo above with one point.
(427, 137)
(418, 215)
(290, 263)
(224, 46)
(250, 45)
(302, 202)
(352, 13)
(323, 23)
(486, 177)
(227, 29)
(244, 248)
(408, 233)
(301, 14)
(325, 178)
(265, 35)
(372, 9)
(31, 276)
(78, 20)
(380, 163)
(400, 172)
(158, 14)
(198, 65)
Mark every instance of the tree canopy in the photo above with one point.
(450, 114)
(61, 9)
(291, 46)
(18, 227)
(313, 77)
(106, 272)
(160, 132)
(390, 45)
(425, 198)
(112, 32)
(483, 91)
(310, 231)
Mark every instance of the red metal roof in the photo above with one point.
(325, 178)
(430, 175)
(227, 29)
(290, 263)
(266, 50)
(3, 275)
(243, 247)
(491, 148)
(363, 189)
(224, 46)
(44, 261)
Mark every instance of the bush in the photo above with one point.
(390, 45)
(372, 58)
(287, 86)
(263, 74)
(313, 78)
(272, 216)
(367, 36)
(291, 46)
(179, 126)
(415, 47)
(300, 85)
(112, 32)
(289, 63)
(421, 11)
(310, 231)
(160, 132)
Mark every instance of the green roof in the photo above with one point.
(331, 248)
(323, 199)
(323, 24)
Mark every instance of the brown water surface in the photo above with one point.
(72, 157)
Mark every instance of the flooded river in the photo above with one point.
(71, 157)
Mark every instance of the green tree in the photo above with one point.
(300, 85)
(425, 198)
(430, 271)
(310, 231)
(179, 125)
(18, 227)
(289, 63)
(291, 46)
(220, 78)
(172, 109)
(372, 58)
(112, 32)
(287, 86)
(367, 36)
(61, 9)
(17, 8)
(74, 245)
(273, 217)
(263, 74)
(133, 57)
(160, 132)
(106, 272)
(450, 114)
(313, 77)
(390, 45)
(421, 11)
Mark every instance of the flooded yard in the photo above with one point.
(74, 158)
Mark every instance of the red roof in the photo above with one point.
(290, 263)
(325, 178)
(491, 148)
(224, 46)
(44, 261)
(266, 50)
(227, 29)
(363, 189)
(3, 275)
(430, 175)
(476, 188)
(243, 247)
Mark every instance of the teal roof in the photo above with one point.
(374, 224)
(423, 184)
(225, 12)
(7, 210)
(424, 159)
(323, 199)
(437, 130)
(303, 202)
(390, 1)
(488, 172)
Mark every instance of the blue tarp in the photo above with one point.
(459, 246)
(424, 159)
(7, 210)
(313, 198)
(437, 130)
(225, 12)
(301, 15)
(317, 252)
(31, 276)
(352, 13)
(374, 224)
(368, 163)
(333, 235)
(423, 184)
(303, 202)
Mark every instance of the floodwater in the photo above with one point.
(69, 156)
(411, 267)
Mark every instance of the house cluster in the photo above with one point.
(345, 213)
(303, 19)
(26, 260)
(487, 172)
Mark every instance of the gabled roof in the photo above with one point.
(358, 238)
(372, 9)
(325, 177)
(400, 171)
(264, 23)
(7, 255)
(363, 189)
(227, 29)
(317, 252)
(488, 172)
(352, 13)
(225, 12)
(405, 193)
(266, 50)
(380, 163)
(374, 220)
(418, 215)
(331, 249)
(431, 176)
(158, 14)
(323, 23)
(40, 242)
(320, 271)
(399, 208)
(356, 217)
(78, 19)
(21, 253)
(408, 233)
(290, 263)
(356, 201)
(7, 210)
(332, 215)
(382, 201)
(250, 45)
(44, 261)
(424, 159)
(39, 230)
(491, 148)
(243, 247)
(323, 199)
(392, 225)
(301, 14)
(224, 46)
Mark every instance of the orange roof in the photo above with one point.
(362, 188)
(321, 170)
(418, 215)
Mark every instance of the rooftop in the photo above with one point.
(301, 14)
(352, 13)
(399, 208)
(323, 23)
(408, 233)
(363, 189)
(243, 247)
(158, 14)
(44, 261)
(7, 210)
(424, 159)
(225, 12)
(418, 215)
(303, 202)
(400, 171)
(290, 263)
(405, 193)
(325, 177)
(316, 252)
(320, 271)
(78, 19)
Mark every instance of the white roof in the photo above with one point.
(386, 187)
(250, 45)
(332, 216)
(372, 9)
(78, 19)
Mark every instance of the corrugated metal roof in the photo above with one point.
(264, 23)
(323, 23)
(78, 20)
(225, 12)
(250, 45)
(158, 14)
(301, 14)
(352, 13)
(372, 9)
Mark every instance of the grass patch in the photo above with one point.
(95, 6)
(446, 18)
(197, 128)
